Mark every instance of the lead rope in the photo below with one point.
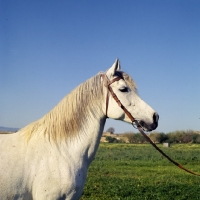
(158, 149)
(133, 120)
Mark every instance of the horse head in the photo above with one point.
(125, 90)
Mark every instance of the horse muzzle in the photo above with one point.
(152, 126)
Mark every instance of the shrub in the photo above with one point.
(188, 136)
(111, 139)
(158, 137)
(134, 137)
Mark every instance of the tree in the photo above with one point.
(111, 130)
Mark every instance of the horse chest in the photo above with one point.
(58, 177)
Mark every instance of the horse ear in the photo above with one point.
(115, 67)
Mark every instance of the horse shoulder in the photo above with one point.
(58, 175)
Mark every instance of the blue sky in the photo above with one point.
(47, 48)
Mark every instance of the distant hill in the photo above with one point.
(7, 129)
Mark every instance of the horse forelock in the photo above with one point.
(129, 81)
(72, 114)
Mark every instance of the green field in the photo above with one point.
(128, 171)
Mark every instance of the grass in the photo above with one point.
(127, 171)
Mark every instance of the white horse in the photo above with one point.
(49, 158)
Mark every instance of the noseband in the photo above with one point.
(107, 84)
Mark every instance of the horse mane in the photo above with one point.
(73, 112)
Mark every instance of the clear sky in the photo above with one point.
(47, 48)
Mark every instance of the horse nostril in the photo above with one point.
(155, 117)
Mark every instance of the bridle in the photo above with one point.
(135, 122)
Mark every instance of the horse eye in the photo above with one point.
(124, 89)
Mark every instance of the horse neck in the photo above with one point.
(82, 125)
